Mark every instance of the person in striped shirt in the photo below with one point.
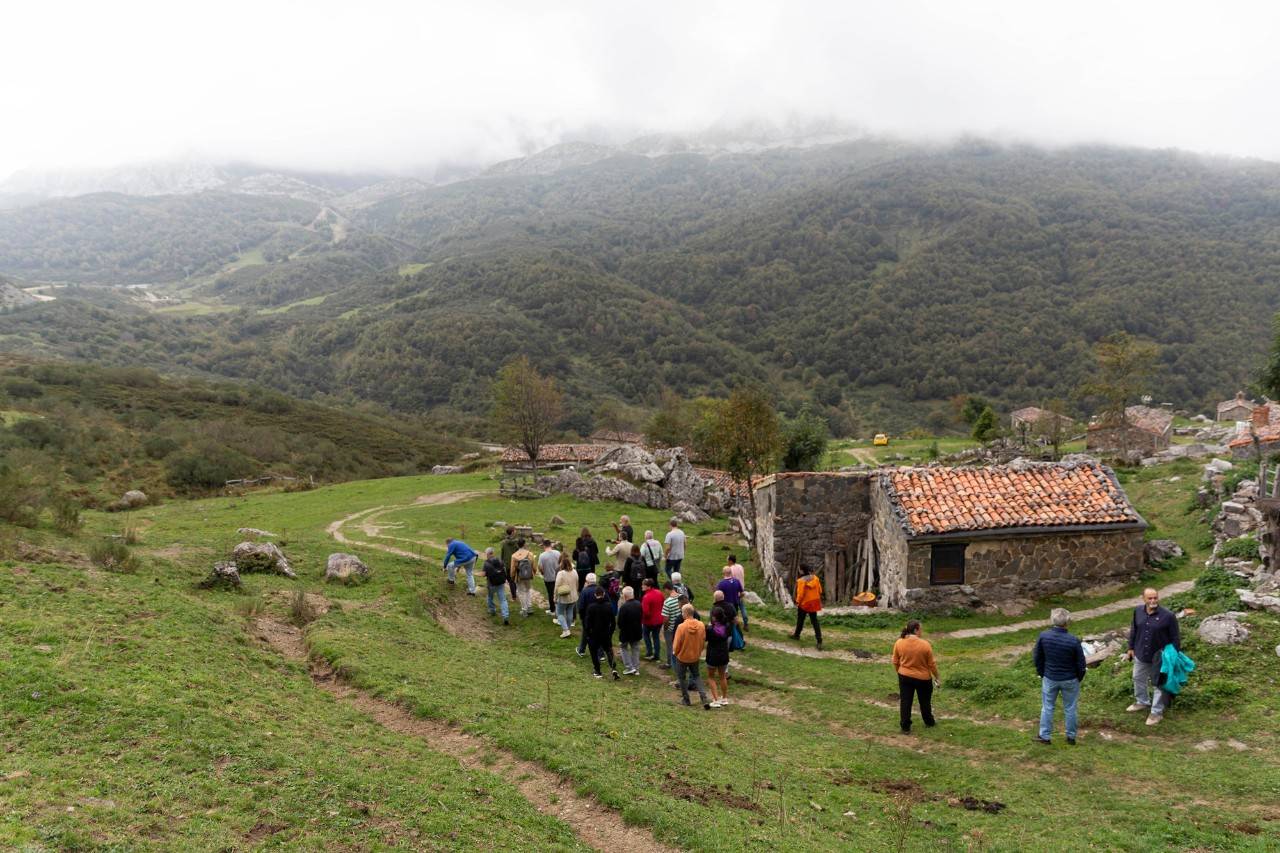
(671, 619)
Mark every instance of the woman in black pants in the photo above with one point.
(917, 674)
(599, 625)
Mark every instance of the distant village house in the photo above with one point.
(1239, 409)
(1037, 421)
(934, 538)
(1264, 423)
(1144, 429)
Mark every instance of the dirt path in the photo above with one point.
(809, 652)
(370, 527)
(594, 823)
(863, 454)
(1076, 615)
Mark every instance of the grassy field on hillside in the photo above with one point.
(143, 712)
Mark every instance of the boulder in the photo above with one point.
(634, 463)
(751, 598)
(346, 568)
(688, 513)
(1158, 550)
(557, 521)
(1218, 466)
(223, 576)
(133, 499)
(261, 557)
(446, 469)
(1223, 629)
(1014, 606)
(255, 533)
(1259, 601)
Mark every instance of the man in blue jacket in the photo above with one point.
(460, 556)
(1152, 629)
(1059, 661)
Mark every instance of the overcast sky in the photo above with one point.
(401, 85)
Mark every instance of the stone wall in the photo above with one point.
(806, 516)
(1024, 567)
(1110, 438)
(891, 542)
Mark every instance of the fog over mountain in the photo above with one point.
(440, 91)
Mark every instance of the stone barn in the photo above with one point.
(1145, 429)
(1239, 409)
(933, 538)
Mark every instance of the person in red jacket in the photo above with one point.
(808, 603)
(651, 601)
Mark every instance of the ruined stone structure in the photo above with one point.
(932, 538)
(1145, 430)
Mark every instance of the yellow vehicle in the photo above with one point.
(880, 440)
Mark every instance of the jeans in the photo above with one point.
(599, 648)
(652, 643)
(1142, 673)
(500, 592)
(468, 567)
(669, 634)
(631, 654)
(524, 594)
(813, 617)
(742, 611)
(1049, 690)
(922, 687)
(687, 676)
(564, 614)
(672, 566)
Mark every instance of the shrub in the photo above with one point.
(21, 496)
(1240, 548)
(205, 468)
(1216, 588)
(66, 513)
(113, 555)
(301, 611)
(159, 446)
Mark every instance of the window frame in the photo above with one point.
(946, 547)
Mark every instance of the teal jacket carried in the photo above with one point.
(1175, 667)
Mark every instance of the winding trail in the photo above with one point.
(1076, 615)
(594, 823)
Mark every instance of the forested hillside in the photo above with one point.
(878, 278)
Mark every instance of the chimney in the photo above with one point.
(1261, 417)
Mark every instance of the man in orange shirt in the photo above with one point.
(808, 603)
(690, 640)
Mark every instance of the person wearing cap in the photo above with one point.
(1059, 660)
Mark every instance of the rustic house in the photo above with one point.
(615, 437)
(1145, 429)
(1264, 422)
(931, 538)
(1038, 421)
(554, 456)
(1239, 409)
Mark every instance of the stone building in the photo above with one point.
(1037, 421)
(1145, 429)
(1239, 409)
(1264, 422)
(932, 538)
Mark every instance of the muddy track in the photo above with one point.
(593, 822)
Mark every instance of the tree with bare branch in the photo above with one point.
(526, 406)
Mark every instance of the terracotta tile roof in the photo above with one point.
(724, 480)
(557, 453)
(618, 437)
(1145, 418)
(942, 500)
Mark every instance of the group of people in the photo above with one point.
(1159, 668)
(627, 597)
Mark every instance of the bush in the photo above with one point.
(1240, 548)
(159, 446)
(205, 468)
(21, 496)
(1217, 589)
(113, 555)
(66, 513)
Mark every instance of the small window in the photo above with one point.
(947, 564)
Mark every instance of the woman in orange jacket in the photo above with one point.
(917, 674)
(808, 603)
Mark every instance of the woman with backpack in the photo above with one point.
(719, 632)
(585, 542)
(582, 563)
(633, 572)
(522, 562)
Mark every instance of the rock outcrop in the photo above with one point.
(261, 557)
(345, 568)
(223, 576)
(256, 533)
(1223, 629)
(631, 474)
(1158, 550)
(446, 469)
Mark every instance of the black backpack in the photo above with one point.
(524, 569)
(493, 572)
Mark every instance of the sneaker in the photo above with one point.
(596, 675)
(581, 653)
(564, 634)
(724, 702)
(470, 593)
(1138, 706)
(1153, 720)
(549, 612)
(1043, 740)
(634, 672)
(616, 677)
(706, 706)
(453, 583)
(1071, 741)
(715, 704)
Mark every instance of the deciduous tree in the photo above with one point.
(526, 406)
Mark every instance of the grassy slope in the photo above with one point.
(821, 740)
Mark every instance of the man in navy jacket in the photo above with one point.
(1153, 628)
(1059, 659)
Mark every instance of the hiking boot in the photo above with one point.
(1153, 720)
(616, 677)
(1042, 740)
(506, 621)
(1071, 741)
(686, 703)
(1138, 706)
(470, 593)
(795, 636)
(819, 647)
